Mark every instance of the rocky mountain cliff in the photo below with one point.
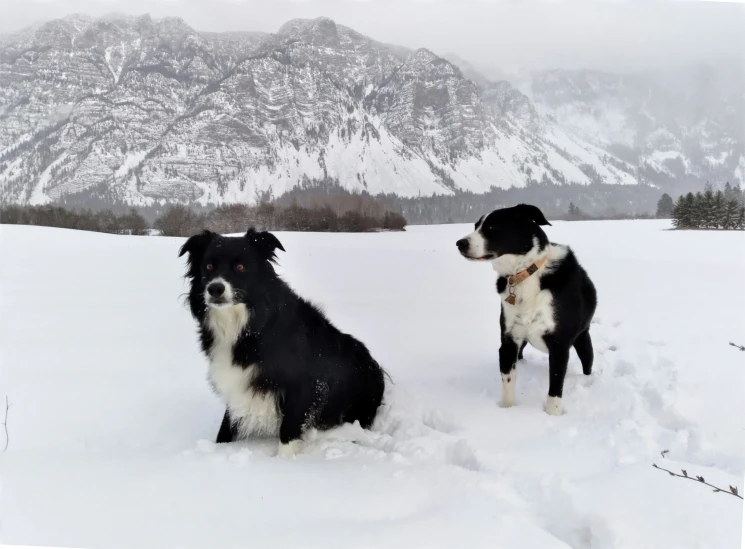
(142, 111)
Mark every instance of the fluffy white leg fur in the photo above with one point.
(290, 449)
(508, 388)
(553, 406)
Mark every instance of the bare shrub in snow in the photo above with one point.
(179, 221)
(684, 474)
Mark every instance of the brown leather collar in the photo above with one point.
(516, 278)
(522, 275)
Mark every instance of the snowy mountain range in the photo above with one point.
(141, 111)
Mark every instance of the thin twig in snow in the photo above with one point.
(5, 423)
(736, 346)
(732, 489)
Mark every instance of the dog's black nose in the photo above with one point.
(462, 244)
(216, 289)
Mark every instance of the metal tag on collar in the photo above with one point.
(511, 298)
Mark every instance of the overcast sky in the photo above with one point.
(609, 35)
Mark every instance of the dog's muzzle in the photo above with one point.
(218, 294)
(464, 247)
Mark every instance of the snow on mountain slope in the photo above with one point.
(144, 111)
(111, 415)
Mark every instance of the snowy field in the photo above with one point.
(111, 417)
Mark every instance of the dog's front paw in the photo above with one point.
(508, 389)
(290, 449)
(553, 406)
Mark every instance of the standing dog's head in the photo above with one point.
(508, 231)
(226, 271)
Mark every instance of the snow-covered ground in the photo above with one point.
(111, 418)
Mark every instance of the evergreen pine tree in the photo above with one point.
(729, 192)
(739, 194)
(718, 210)
(708, 215)
(665, 206)
(677, 215)
(740, 223)
(697, 213)
(689, 204)
(731, 209)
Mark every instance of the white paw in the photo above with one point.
(508, 389)
(553, 406)
(290, 449)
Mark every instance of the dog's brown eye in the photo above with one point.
(209, 266)
(239, 267)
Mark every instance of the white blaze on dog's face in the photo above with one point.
(473, 246)
(219, 293)
(508, 231)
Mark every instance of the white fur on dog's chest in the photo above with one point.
(532, 315)
(255, 412)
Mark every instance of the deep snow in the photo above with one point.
(111, 416)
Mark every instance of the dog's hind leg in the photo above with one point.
(522, 348)
(583, 346)
(227, 432)
(558, 357)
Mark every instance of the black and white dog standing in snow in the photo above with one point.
(547, 298)
(277, 362)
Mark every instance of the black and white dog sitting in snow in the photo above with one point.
(280, 366)
(547, 298)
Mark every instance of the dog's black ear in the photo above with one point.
(197, 244)
(533, 213)
(265, 243)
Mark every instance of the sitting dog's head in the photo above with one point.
(227, 271)
(508, 231)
